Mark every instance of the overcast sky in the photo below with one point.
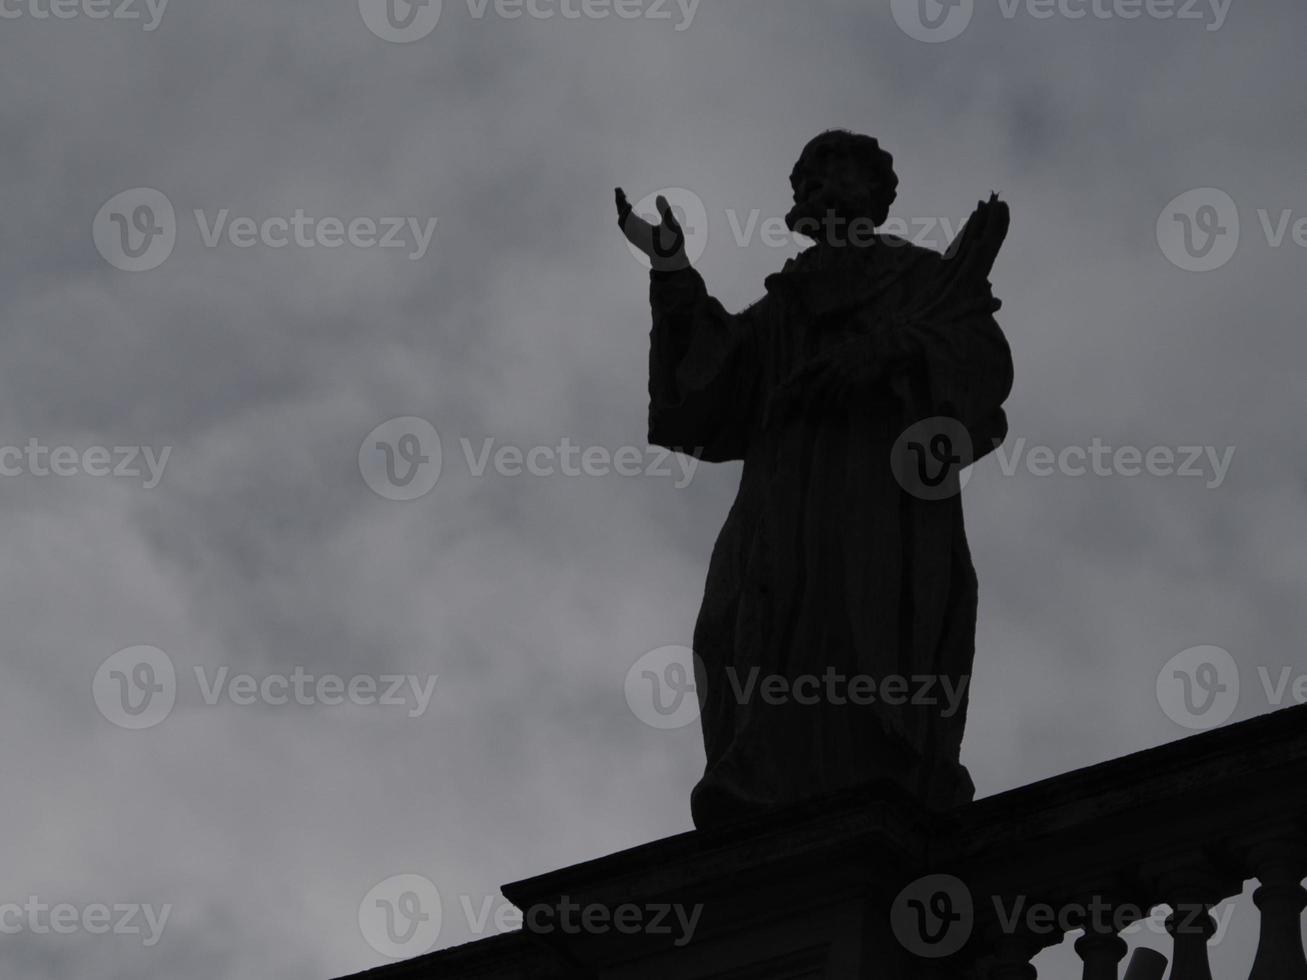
(261, 365)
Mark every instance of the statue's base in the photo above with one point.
(817, 891)
(945, 785)
(794, 894)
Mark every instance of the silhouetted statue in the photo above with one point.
(838, 579)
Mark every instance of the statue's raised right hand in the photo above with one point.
(663, 243)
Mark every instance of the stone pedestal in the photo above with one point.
(868, 885)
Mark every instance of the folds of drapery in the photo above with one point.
(825, 562)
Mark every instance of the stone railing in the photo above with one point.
(866, 886)
(1183, 825)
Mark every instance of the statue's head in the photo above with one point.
(845, 174)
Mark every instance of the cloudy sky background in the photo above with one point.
(263, 549)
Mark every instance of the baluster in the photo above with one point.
(1146, 964)
(1191, 886)
(1281, 899)
(1190, 926)
(1100, 952)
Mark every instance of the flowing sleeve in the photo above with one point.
(703, 370)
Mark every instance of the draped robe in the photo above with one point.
(826, 564)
